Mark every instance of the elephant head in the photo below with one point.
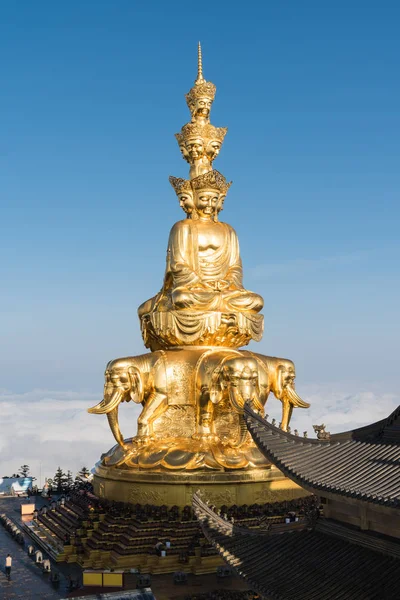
(123, 382)
(238, 376)
(281, 382)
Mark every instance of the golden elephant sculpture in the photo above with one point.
(155, 380)
(141, 379)
(277, 375)
(226, 374)
(246, 377)
(198, 377)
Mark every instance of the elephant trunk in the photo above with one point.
(236, 398)
(237, 401)
(114, 426)
(109, 406)
(243, 433)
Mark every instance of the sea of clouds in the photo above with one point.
(46, 429)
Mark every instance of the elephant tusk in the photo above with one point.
(99, 409)
(294, 398)
(106, 406)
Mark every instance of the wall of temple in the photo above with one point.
(372, 517)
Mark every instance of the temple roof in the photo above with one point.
(305, 565)
(363, 463)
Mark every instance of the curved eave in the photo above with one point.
(304, 461)
(300, 565)
(210, 521)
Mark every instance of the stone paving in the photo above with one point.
(27, 581)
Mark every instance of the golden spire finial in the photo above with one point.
(200, 79)
(201, 89)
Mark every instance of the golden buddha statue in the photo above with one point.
(204, 269)
(194, 383)
(202, 300)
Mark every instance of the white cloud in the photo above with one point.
(47, 429)
(337, 408)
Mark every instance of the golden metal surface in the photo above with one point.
(169, 488)
(195, 381)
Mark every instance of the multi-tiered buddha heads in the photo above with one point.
(199, 141)
(207, 189)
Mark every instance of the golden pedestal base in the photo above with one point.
(255, 486)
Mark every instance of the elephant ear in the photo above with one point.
(136, 392)
(278, 391)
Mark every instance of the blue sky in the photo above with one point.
(92, 94)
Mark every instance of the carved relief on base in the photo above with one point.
(139, 494)
(267, 495)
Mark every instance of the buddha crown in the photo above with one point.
(206, 132)
(180, 185)
(212, 180)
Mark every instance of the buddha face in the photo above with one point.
(186, 202)
(202, 107)
(220, 205)
(206, 202)
(195, 148)
(213, 149)
(184, 152)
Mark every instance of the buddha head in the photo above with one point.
(195, 148)
(213, 148)
(207, 190)
(184, 193)
(200, 98)
(206, 202)
(186, 203)
(215, 138)
(182, 146)
(222, 196)
(201, 107)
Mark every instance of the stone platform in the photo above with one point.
(252, 486)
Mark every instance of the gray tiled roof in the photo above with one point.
(363, 463)
(303, 565)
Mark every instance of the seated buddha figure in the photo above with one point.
(204, 269)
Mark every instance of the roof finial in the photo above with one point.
(200, 79)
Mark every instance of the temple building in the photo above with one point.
(353, 550)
